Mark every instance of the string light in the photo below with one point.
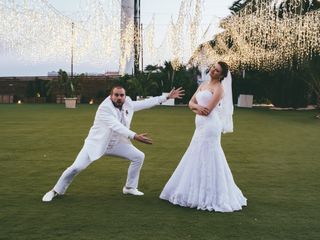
(265, 36)
(181, 38)
(262, 35)
(35, 31)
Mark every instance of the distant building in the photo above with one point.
(52, 74)
(110, 73)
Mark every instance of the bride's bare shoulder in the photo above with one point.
(219, 89)
(203, 85)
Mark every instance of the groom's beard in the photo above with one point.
(118, 104)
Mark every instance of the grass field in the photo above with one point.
(274, 157)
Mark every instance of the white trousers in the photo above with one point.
(124, 150)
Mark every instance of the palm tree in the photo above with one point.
(238, 5)
(152, 68)
(313, 78)
(304, 7)
(142, 85)
(66, 84)
(170, 74)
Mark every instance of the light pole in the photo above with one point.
(72, 40)
(136, 36)
(141, 46)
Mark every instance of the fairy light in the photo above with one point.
(264, 40)
(149, 38)
(36, 31)
(181, 37)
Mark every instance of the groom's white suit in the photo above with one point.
(108, 122)
(110, 135)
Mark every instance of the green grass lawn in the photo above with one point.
(274, 157)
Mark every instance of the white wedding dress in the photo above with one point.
(203, 179)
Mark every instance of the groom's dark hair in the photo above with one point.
(116, 86)
(225, 69)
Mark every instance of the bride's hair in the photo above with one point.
(225, 69)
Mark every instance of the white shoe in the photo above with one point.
(49, 196)
(132, 191)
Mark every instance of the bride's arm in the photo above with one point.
(218, 93)
(197, 112)
(193, 104)
(195, 107)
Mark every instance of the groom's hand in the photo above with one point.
(142, 138)
(176, 93)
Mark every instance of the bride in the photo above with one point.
(203, 179)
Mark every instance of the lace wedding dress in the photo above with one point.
(203, 179)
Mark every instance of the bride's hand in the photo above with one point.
(202, 110)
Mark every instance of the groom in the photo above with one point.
(111, 135)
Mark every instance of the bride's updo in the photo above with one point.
(225, 69)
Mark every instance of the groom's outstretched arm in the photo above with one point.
(151, 102)
(148, 103)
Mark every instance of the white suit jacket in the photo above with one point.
(106, 123)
